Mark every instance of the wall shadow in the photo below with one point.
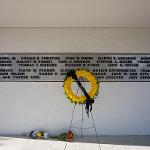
(116, 140)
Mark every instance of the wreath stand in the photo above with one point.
(81, 122)
(78, 76)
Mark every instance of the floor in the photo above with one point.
(85, 143)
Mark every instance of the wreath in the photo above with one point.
(79, 76)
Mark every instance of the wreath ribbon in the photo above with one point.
(89, 101)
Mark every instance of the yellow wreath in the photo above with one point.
(87, 75)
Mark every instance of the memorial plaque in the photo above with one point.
(44, 67)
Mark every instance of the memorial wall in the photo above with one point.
(54, 67)
(27, 55)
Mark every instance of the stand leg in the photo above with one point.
(82, 123)
(95, 130)
(70, 124)
(72, 116)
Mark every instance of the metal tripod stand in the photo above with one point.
(81, 127)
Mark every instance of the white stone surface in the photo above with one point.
(102, 40)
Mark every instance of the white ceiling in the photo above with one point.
(74, 13)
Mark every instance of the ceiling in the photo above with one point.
(74, 13)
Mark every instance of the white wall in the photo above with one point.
(121, 108)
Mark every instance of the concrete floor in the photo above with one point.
(85, 143)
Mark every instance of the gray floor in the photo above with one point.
(85, 143)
